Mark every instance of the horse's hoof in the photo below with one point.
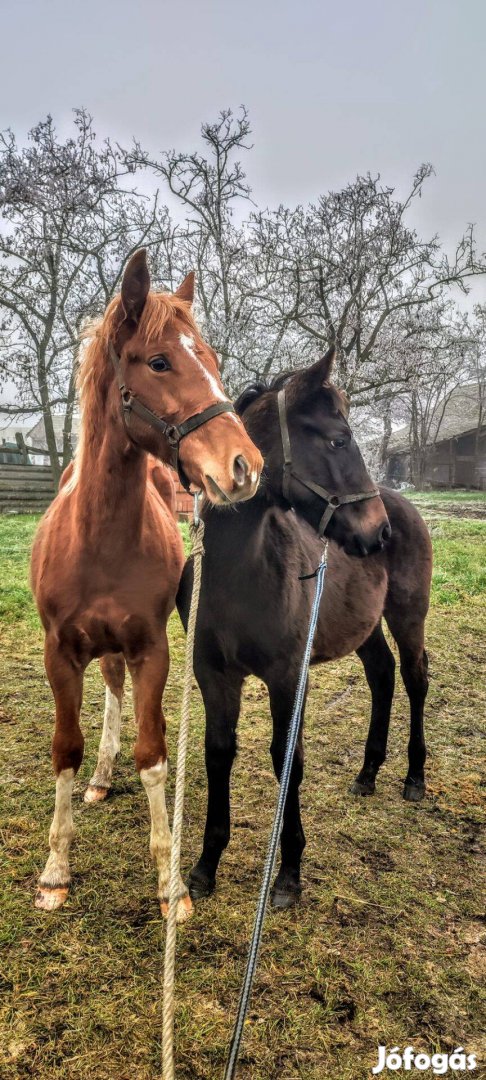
(362, 787)
(414, 790)
(284, 899)
(200, 888)
(49, 898)
(184, 908)
(94, 794)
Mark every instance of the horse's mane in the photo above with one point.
(255, 390)
(95, 370)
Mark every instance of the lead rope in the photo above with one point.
(292, 736)
(197, 536)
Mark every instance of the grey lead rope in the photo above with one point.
(276, 829)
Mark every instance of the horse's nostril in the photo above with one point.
(240, 470)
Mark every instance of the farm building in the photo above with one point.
(455, 451)
(37, 435)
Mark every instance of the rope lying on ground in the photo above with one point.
(276, 828)
(197, 535)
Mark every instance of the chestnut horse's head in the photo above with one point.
(163, 375)
(322, 456)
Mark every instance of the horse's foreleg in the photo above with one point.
(113, 671)
(222, 695)
(286, 889)
(379, 664)
(66, 679)
(149, 675)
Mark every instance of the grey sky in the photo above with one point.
(333, 88)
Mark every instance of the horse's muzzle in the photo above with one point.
(361, 545)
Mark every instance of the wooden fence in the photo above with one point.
(28, 489)
(25, 489)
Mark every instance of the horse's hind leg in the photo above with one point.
(149, 675)
(113, 671)
(286, 888)
(221, 692)
(66, 679)
(379, 664)
(409, 636)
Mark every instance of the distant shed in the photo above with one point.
(456, 453)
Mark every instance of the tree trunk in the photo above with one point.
(67, 445)
(51, 445)
(48, 422)
(385, 439)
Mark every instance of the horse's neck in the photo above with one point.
(262, 531)
(110, 481)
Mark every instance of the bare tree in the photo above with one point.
(350, 267)
(476, 370)
(67, 227)
(212, 191)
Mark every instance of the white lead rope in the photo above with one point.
(197, 534)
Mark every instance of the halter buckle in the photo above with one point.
(172, 435)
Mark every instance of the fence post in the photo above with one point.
(19, 439)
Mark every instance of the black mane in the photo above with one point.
(256, 389)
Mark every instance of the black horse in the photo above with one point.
(255, 599)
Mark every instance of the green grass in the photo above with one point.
(461, 497)
(16, 533)
(388, 943)
(459, 560)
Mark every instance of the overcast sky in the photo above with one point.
(333, 89)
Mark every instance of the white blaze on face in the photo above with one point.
(188, 343)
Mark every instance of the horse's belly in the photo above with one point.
(352, 604)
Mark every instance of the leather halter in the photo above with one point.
(174, 433)
(333, 501)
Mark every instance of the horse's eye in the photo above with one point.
(337, 444)
(159, 363)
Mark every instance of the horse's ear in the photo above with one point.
(186, 289)
(346, 402)
(135, 285)
(320, 373)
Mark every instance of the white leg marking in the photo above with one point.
(56, 871)
(154, 780)
(109, 748)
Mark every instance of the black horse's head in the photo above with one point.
(323, 454)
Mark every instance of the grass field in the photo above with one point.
(388, 945)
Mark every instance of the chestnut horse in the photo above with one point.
(254, 608)
(108, 555)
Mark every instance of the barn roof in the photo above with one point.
(460, 415)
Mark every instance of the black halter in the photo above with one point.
(174, 433)
(333, 501)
